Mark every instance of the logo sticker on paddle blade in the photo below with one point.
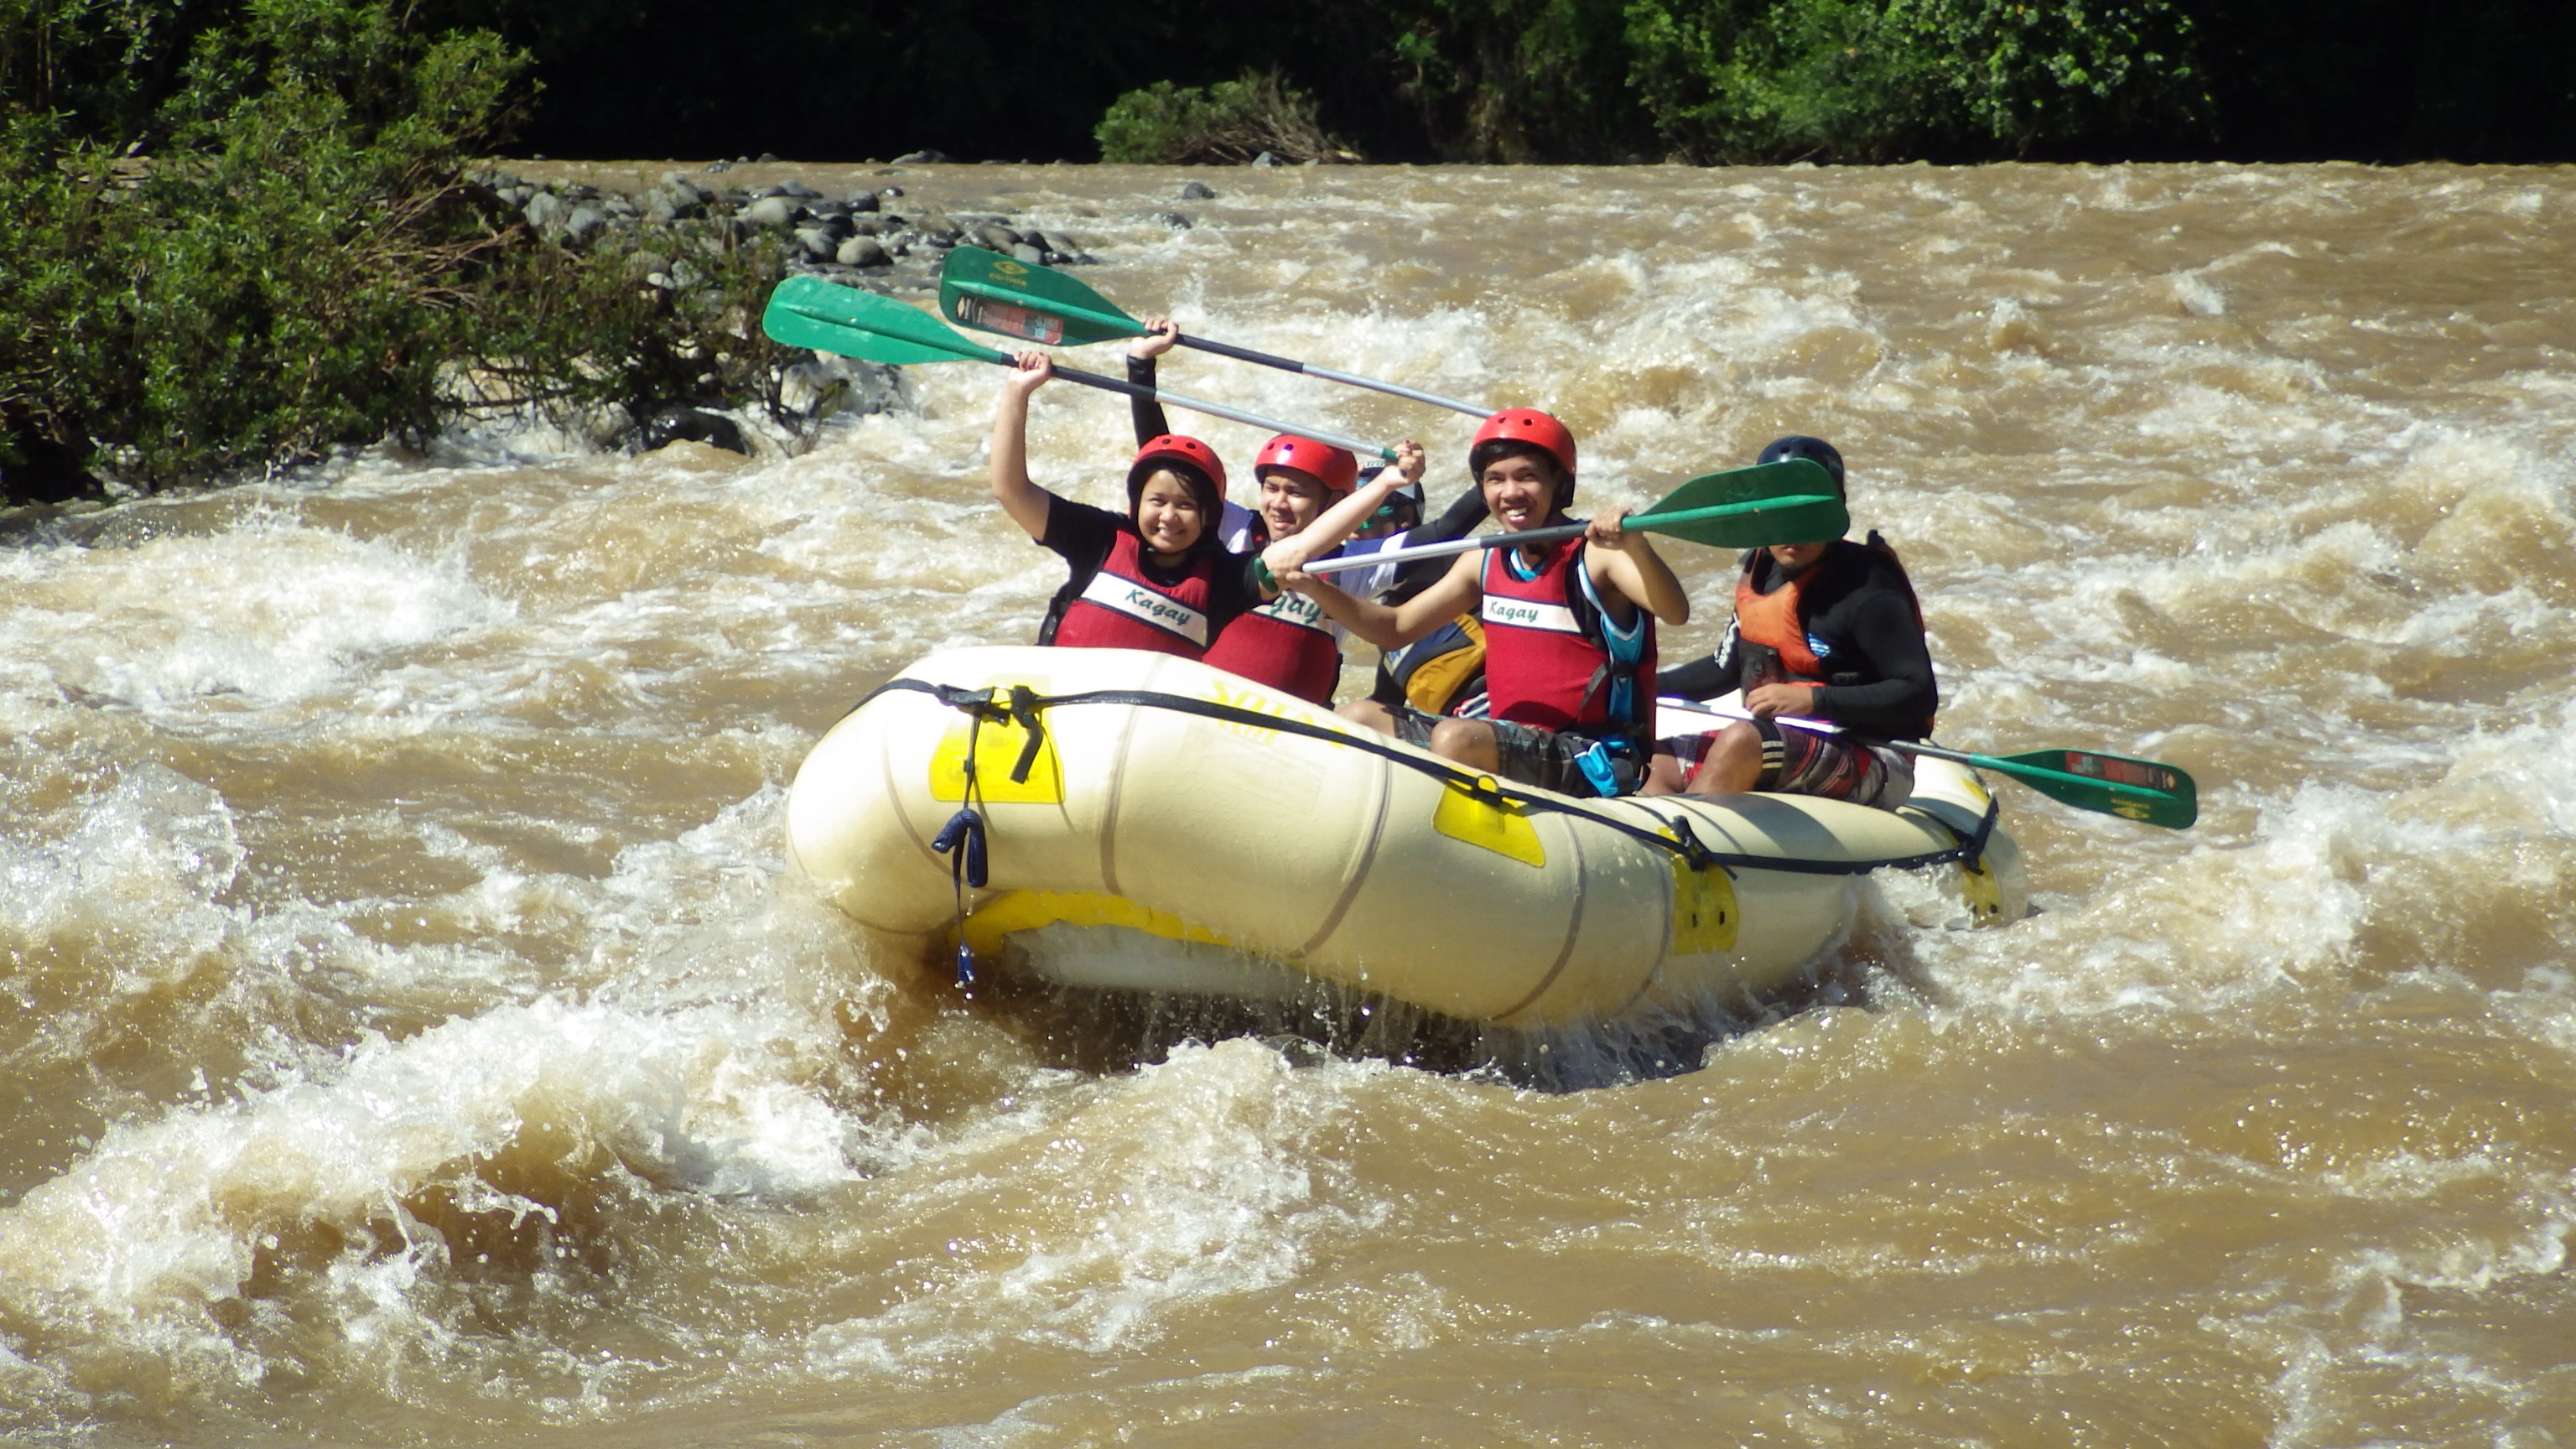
(1002, 317)
(2121, 772)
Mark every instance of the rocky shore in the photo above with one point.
(865, 227)
(868, 236)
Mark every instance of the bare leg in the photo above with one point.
(1733, 765)
(1470, 742)
(1371, 713)
(1664, 775)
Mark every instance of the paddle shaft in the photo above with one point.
(1443, 550)
(993, 293)
(1648, 522)
(1290, 364)
(2014, 768)
(1900, 746)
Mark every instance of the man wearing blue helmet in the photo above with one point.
(1825, 631)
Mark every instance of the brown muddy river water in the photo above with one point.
(413, 1034)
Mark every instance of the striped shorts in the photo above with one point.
(1801, 762)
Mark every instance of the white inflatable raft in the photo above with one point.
(1165, 826)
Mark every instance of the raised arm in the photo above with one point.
(1025, 501)
(1628, 562)
(1392, 626)
(1147, 413)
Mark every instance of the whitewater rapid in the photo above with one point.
(419, 1034)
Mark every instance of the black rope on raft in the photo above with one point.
(962, 838)
(1026, 704)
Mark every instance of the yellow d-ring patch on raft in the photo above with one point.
(1480, 815)
(1028, 910)
(1703, 910)
(1979, 888)
(997, 751)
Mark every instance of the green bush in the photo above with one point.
(1884, 79)
(1229, 122)
(300, 261)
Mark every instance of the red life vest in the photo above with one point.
(1120, 608)
(1550, 658)
(1285, 644)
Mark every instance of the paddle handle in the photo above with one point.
(1443, 550)
(1823, 727)
(1290, 364)
(1812, 726)
(1214, 409)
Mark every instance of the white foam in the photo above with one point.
(269, 612)
(142, 1243)
(1192, 1180)
(139, 866)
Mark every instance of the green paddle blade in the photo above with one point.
(811, 312)
(1791, 501)
(994, 293)
(2147, 790)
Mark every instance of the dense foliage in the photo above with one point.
(1578, 80)
(228, 246)
(1229, 122)
(1888, 79)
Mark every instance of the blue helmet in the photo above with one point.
(1798, 445)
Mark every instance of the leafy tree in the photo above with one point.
(1231, 121)
(1886, 79)
(301, 259)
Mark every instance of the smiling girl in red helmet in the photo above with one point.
(1287, 643)
(1156, 577)
(1569, 626)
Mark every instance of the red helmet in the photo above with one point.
(1535, 429)
(1172, 448)
(1335, 468)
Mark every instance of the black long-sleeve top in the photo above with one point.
(1860, 607)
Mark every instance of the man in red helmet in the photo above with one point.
(1156, 577)
(1569, 627)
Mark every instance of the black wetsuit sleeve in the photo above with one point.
(1457, 521)
(1880, 624)
(1082, 535)
(1706, 678)
(1150, 422)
